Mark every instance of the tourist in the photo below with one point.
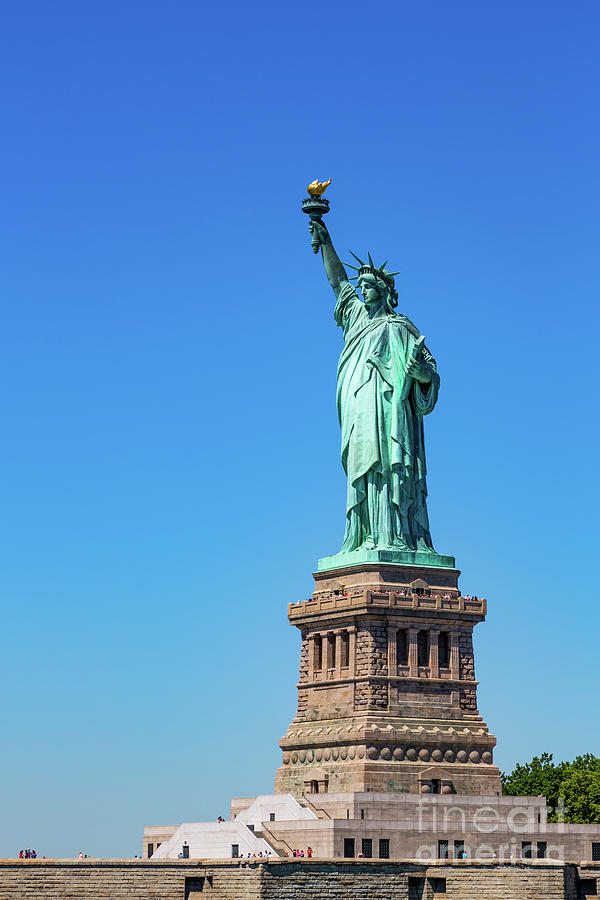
(309, 851)
(21, 854)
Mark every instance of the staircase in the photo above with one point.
(280, 847)
(307, 803)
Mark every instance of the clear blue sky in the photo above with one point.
(170, 453)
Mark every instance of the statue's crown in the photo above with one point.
(377, 271)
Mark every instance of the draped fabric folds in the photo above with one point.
(383, 448)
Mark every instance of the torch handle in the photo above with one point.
(315, 243)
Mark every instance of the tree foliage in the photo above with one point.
(571, 789)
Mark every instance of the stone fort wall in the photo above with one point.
(284, 879)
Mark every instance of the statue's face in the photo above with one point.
(371, 296)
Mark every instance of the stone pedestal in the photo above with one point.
(387, 697)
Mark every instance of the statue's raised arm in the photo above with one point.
(336, 274)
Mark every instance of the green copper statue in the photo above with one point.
(387, 381)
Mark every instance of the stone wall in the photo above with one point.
(291, 880)
(371, 660)
(122, 880)
(402, 881)
(467, 657)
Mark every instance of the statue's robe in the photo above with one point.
(383, 448)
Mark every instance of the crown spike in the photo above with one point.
(371, 261)
(350, 266)
(357, 258)
(383, 265)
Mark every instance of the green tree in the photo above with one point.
(581, 790)
(572, 789)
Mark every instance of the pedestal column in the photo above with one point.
(338, 652)
(434, 657)
(352, 650)
(454, 655)
(329, 651)
(413, 653)
(392, 655)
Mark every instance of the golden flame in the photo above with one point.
(316, 188)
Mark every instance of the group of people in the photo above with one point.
(335, 594)
(260, 855)
(301, 853)
(403, 594)
(27, 854)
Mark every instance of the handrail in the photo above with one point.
(276, 843)
(315, 809)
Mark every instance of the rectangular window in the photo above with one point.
(235, 851)
(185, 851)
(345, 649)
(423, 648)
(331, 651)
(459, 849)
(526, 850)
(193, 887)
(443, 649)
(150, 850)
(438, 886)
(596, 852)
(442, 849)
(384, 848)
(588, 887)
(362, 813)
(542, 848)
(318, 653)
(402, 647)
(271, 817)
(348, 848)
(367, 848)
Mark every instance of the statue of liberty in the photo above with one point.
(387, 381)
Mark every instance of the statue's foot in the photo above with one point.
(369, 544)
